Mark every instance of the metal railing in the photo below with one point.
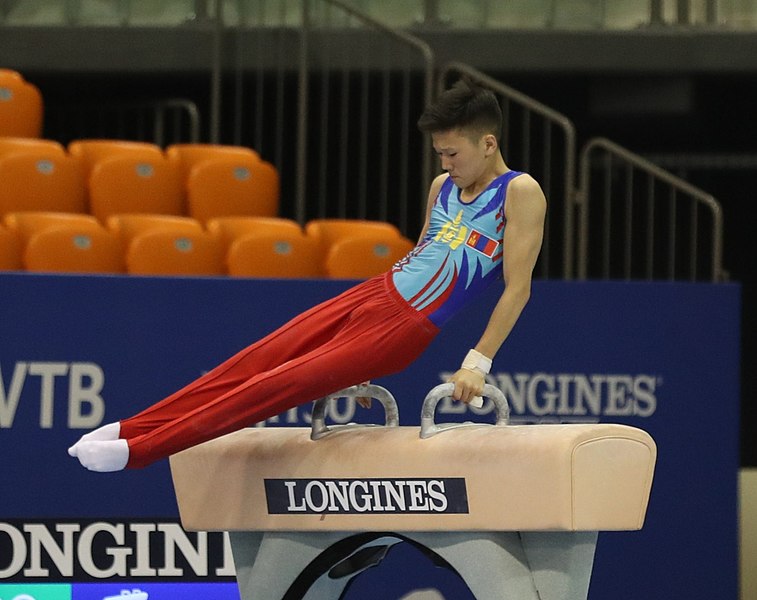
(541, 141)
(162, 122)
(353, 149)
(638, 221)
(370, 155)
(628, 218)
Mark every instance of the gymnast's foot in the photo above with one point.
(106, 433)
(103, 456)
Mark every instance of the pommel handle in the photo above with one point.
(376, 392)
(444, 390)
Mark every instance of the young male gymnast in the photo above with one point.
(483, 221)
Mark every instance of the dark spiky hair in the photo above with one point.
(465, 105)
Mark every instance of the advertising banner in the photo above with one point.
(78, 352)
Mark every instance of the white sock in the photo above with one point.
(106, 433)
(104, 456)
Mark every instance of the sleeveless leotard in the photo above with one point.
(460, 255)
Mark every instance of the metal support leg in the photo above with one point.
(268, 563)
(561, 562)
(494, 565)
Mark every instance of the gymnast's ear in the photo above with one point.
(490, 144)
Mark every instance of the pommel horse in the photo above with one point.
(514, 509)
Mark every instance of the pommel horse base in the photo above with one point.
(514, 509)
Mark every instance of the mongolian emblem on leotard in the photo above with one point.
(452, 232)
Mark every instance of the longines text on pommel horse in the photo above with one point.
(514, 509)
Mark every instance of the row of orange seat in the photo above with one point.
(149, 244)
(107, 177)
(116, 206)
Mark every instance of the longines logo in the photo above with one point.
(569, 397)
(91, 550)
(580, 394)
(368, 496)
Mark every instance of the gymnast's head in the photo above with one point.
(466, 107)
(465, 122)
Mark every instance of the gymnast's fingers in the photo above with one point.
(468, 385)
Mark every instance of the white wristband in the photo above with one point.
(475, 361)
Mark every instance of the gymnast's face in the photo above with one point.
(464, 154)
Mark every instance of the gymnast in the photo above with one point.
(483, 222)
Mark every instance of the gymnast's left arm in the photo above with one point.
(525, 211)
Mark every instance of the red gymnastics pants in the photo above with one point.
(368, 331)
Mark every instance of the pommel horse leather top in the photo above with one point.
(454, 477)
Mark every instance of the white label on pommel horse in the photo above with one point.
(577, 477)
(366, 496)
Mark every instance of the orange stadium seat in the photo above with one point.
(10, 251)
(190, 155)
(228, 229)
(162, 252)
(329, 231)
(233, 187)
(131, 184)
(10, 74)
(364, 257)
(41, 181)
(278, 254)
(27, 224)
(129, 226)
(16, 145)
(21, 106)
(92, 151)
(74, 249)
